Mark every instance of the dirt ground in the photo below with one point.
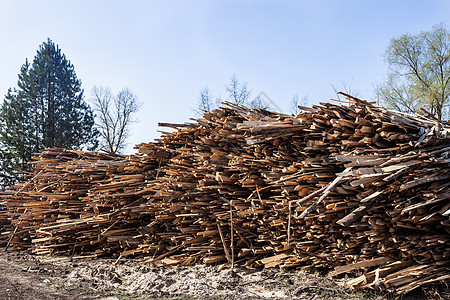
(25, 276)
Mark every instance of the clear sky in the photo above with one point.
(167, 51)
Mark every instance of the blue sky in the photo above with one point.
(167, 51)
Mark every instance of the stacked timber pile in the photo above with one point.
(342, 187)
(77, 202)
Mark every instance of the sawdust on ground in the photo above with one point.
(26, 276)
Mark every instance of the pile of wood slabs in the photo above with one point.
(349, 187)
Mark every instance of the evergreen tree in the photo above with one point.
(47, 109)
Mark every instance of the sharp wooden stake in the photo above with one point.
(115, 263)
(15, 230)
(10, 239)
(289, 225)
(224, 244)
(232, 235)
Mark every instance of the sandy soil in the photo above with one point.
(25, 276)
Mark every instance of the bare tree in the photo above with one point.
(237, 91)
(258, 102)
(295, 102)
(346, 88)
(114, 115)
(205, 101)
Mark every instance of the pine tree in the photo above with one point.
(47, 109)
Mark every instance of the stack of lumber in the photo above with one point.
(340, 186)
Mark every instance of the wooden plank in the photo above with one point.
(361, 264)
